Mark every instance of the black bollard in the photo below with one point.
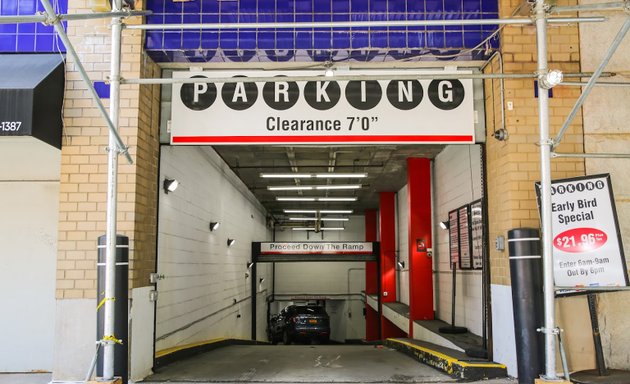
(527, 298)
(121, 305)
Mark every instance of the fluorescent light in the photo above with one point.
(311, 187)
(330, 175)
(286, 175)
(295, 199)
(291, 188)
(340, 175)
(337, 199)
(326, 187)
(316, 199)
(321, 229)
(315, 219)
(340, 211)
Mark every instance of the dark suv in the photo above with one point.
(299, 323)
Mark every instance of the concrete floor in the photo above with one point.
(25, 378)
(302, 364)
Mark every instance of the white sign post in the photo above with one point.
(587, 248)
(321, 111)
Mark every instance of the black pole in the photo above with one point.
(254, 279)
(121, 304)
(597, 339)
(527, 299)
(453, 329)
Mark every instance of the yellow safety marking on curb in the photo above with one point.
(168, 351)
(449, 359)
(112, 338)
(103, 302)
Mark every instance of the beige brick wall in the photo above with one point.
(513, 165)
(82, 210)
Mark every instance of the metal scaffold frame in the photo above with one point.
(540, 18)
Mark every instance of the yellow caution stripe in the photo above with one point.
(178, 348)
(451, 360)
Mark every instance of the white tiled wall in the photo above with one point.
(402, 248)
(457, 178)
(206, 287)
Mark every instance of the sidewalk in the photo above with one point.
(25, 378)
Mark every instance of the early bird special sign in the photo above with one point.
(587, 248)
(321, 111)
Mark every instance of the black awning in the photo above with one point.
(31, 96)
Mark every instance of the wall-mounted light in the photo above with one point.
(444, 225)
(401, 264)
(214, 225)
(261, 280)
(170, 185)
(230, 242)
(249, 264)
(551, 79)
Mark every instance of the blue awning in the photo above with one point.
(468, 42)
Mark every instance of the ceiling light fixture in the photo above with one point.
(340, 211)
(551, 79)
(328, 187)
(291, 188)
(311, 187)
(315, 219)
(170, 185)
(337, 199)
(321, 229)
(295, 199)
(329, 70)
(214, 225)
(313, 175)
(286, 175)
(279, 198)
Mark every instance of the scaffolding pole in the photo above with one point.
(120, 146)
(545, 184)
(593, 80)
(264, 79)
(112, 200)
(46, 19)
(360, 24)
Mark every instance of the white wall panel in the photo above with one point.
(206, 290)
(457, 181)
(402, 238)
(28, 236)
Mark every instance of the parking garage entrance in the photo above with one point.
(379, 173)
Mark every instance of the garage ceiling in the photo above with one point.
(385, 166)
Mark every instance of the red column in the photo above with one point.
(387, 229)
(371, 280)
(420, 264)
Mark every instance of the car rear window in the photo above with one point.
(310, 310)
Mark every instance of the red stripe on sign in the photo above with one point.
(315, 253)
(322, 139)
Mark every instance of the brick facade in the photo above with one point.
(514, 165)
(82, 210)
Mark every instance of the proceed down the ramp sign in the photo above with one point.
(587, 248)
